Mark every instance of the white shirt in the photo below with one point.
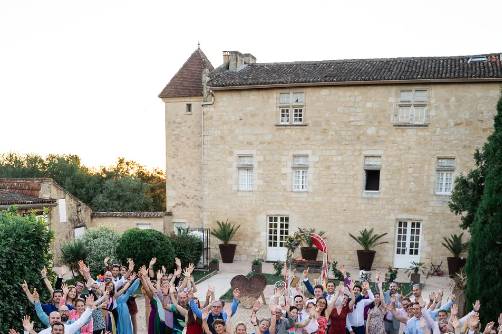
(73, 327)
(311, 327)
(356, 317)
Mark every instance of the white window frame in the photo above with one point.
(144, 225)
(369, 165)
(245, 164)
(289, 111)
(445, 168)
(300, 166)
(414, 104)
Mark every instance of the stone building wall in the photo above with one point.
(183, 156)
(124, 223)
(343, 125)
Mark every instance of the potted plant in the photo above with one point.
(368, 240)
(308, 251)
(214, 264)
(225, 232)
(414, 271)
(391, 274)
(256, 265)
(456, 247)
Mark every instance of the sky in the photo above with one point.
(83, 77)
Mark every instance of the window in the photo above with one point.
(79, 232)
(412, 108)
(444, 175)
(300, 172)
(291, 108)
(144, 226)
(372, 166)
(278, 231)
(188, 108)
(245, 172)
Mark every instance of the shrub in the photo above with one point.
(72, 252)
(187, 247)
(142, 245)
(225, 231)
(100, 243)
(278, 266)
(24, 249)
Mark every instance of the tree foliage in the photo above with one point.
(72, 252)
(24, 250)
(484, 263)
(125, 186)
(100, 243)
(143, 245)
(187, 247)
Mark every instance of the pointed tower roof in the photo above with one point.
(188, 80)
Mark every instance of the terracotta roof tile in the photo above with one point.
(130, 214)
(8, 197)
(188, 80)
(360, 71)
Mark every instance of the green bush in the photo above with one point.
(142, 245)
(72, 252)
(100, 243)
(187, 247)
(24, 249)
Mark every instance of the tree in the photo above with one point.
(24, 250)
(484, 263)
(143, 245)
(188, 247)
(72, 252)
(123, 194)
(467, 192)
(100, 243)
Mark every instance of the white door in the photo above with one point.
(277, 233)
(408, 234)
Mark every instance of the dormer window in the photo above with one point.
(477, 59)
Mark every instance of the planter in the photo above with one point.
(455, 264)
(227, 252)
(365, 259)
(309, 253)
(415, 278)
(256, 268)
(214, 266)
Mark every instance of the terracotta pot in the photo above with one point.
(455, 264)
(365, 259)
(309, 253)
(256, 268)
(227, 252)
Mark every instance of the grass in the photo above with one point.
(404, 288)
(201, 275)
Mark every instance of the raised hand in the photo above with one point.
(164, 269)
(177, 272)
(186, 273)
(13, 331)
(130, 262)
(489, 327)
(473, 321)
(205, 313)
(35, 295)
(65, 288)
(378, 277)
(500, 320)
(306, 273)
(454, 310)
(191, 268)
(27, 324)
(210, 289)
(342, 270)
(62, 271)
(89, 301)
(454, 321)
(132, 277)
(237, 293)
(44, 272)
(256, 306)
(159, 275)
(165, 290)
(106, 260)
(476, 306)
(152, 262)
(177, 261)
(24, 285)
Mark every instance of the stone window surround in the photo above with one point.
(245, 166)
(235, 174)
(291, 107)
(438, 169)
(369, 193)
(310, 171)
(397, 102)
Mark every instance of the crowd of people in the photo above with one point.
(106, 305)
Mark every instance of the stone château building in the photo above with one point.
(338, 145)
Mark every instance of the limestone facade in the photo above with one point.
(342, 125)
(124, 222)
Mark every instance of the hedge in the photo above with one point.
(142, 245)
(25, 243)
(187, 247)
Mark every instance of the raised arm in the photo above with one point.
(151, 271)
(235, 301)
(195, 309)
(175, 306)
(205, 326)
(46, 280)
(331, 304)
(83, 319)
(24, 286)
(306, 281)
(42, 316)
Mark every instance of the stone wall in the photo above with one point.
(122, 224)
(343, 125)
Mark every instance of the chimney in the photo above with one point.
(235, 61)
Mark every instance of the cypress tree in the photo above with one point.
(484, 263)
